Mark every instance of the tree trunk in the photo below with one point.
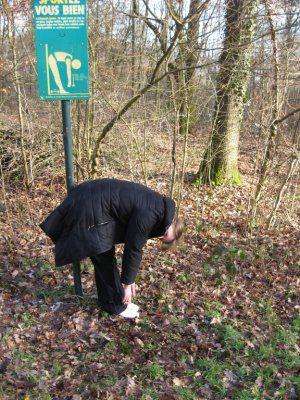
(133, 44)
(220, 162)
(11, 25)
(273, 130)
(191, 60)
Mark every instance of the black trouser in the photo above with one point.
(109, 286)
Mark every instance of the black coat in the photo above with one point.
(100, 213)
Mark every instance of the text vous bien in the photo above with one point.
(54, 10)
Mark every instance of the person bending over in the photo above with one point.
(100, 213)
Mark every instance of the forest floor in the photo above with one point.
(219, 318)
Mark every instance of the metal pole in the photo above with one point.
(68, 146)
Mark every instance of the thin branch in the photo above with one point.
(153, 81)
(286, 116)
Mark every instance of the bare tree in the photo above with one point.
(9, 12)
(220, 161)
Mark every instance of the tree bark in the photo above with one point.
(9, 12)
(220, 161)
(191, 60)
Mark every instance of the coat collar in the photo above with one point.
(166, 218)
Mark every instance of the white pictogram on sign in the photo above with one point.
(53, 61)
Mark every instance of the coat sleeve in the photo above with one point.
(137, 233)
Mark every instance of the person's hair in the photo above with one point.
(179, 227)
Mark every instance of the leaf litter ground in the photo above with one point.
(219, 318)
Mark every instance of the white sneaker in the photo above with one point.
(129, 313)
(133, 306)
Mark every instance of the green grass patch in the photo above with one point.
(224, 263)
(185, 393)
(155, 371)
(212, 371)
(231, 338)
(148, 394)
(56, 293)
(264, 364)
(212, 309)
(125, 348)
(184, 278)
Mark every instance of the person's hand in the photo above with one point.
(129, 293)
(133, 290)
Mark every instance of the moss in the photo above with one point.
(220, 177)
(236, 177)
(216, 175)
(232, 177)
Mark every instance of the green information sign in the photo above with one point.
(61, 48)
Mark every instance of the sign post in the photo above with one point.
(68, 146)
(63, 70)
